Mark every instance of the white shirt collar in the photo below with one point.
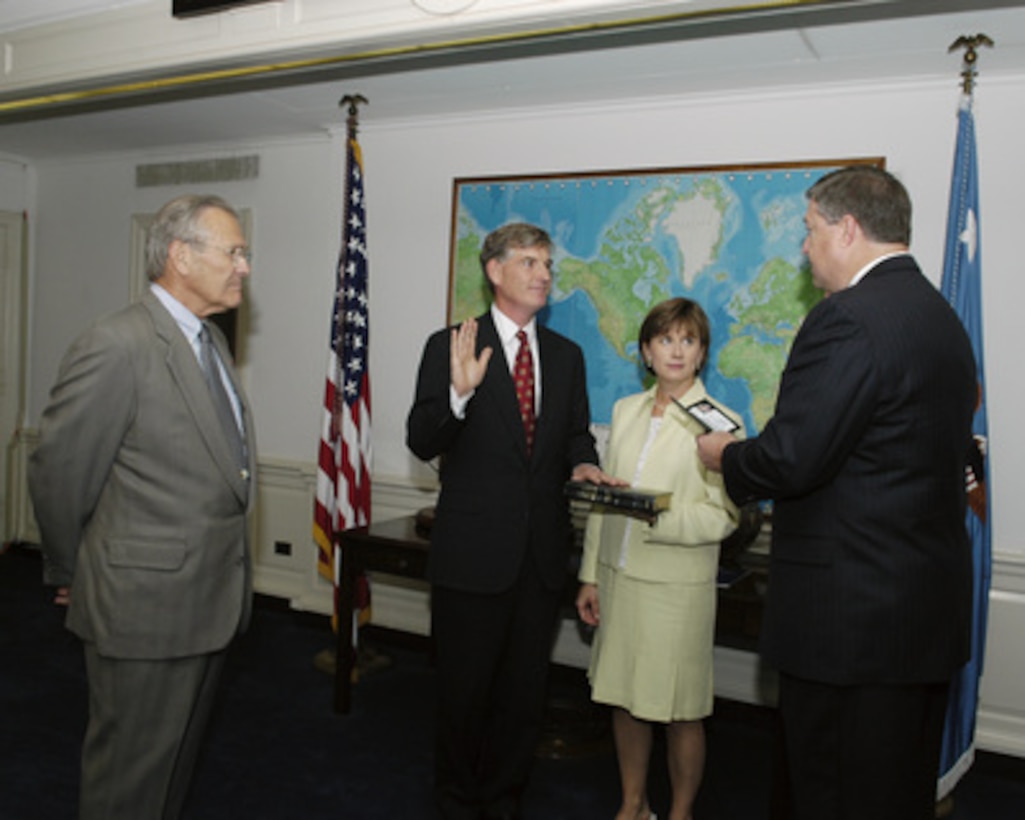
(189, 323)
(507, 328)
(861, 274)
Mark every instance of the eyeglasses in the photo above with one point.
(238, 254)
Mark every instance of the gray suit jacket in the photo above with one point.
(139, 503)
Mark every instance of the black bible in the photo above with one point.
(629, 500)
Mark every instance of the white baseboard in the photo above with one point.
(1000, 721)
(1000, 732)
(742, 676)
(397, 604)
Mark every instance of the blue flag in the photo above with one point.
(962, 287)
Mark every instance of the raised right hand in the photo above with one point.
(467, 368)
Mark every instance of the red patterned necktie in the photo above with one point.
(523, 376)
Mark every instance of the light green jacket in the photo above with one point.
(683, 544)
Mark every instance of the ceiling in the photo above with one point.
(875, 41)
(16, 14)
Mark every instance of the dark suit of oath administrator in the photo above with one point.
(498, 563)
(870, 575)
(143, 510)
(871, 568)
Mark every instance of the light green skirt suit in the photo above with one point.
(652, 652)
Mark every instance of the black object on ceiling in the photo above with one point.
(191, 8)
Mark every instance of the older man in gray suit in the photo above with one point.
(141, 486)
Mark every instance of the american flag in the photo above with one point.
(343, 464)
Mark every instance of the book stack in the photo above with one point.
(628, 500)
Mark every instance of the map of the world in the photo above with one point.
(729, 238)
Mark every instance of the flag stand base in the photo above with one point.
(368, 660)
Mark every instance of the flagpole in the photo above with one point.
(342, 500)
(961, 286)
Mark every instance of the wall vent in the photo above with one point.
(198, 171)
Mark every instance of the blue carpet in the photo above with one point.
(276, 750)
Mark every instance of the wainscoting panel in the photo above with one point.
(283, 548)
(1000, 723)
(285, 555)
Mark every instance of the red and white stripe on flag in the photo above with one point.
(344, 457)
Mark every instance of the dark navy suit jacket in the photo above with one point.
(499, 507)
(870, 575)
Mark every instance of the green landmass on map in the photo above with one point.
(768, 315)
(625, 279)
(469, 291)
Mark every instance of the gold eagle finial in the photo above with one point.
(352, 120)
(969, 43)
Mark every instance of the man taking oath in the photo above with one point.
(503, 402)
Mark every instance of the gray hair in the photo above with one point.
(178, 220)
(874, 197)
(500, 241)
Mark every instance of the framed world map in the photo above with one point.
(728, 237)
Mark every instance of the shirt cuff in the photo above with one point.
(458, 403)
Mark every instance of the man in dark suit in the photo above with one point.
(500, 538)
(869, 598)
(141, 487)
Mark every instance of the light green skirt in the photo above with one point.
(652, 652)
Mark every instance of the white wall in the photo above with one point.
(84, 207)
(14, 180)
(81, 270)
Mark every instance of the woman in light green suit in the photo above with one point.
(649, 587)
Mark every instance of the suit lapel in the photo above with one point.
(188, 378)
(551, 387)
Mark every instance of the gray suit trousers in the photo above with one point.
(146, 723)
